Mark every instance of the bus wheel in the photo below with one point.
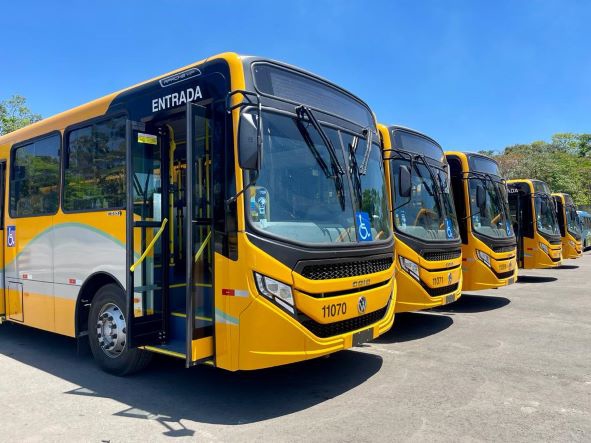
(107, 332)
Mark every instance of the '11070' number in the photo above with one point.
(334, 310)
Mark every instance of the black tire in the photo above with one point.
(126, 361)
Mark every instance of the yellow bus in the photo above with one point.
(233, 212)
(534, 221)
(489, 246)
(569, 225)
(428, 248)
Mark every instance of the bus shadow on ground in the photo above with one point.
(566, 267)
(470, 303)
(413, 326)
(170, 394)
(535, 279)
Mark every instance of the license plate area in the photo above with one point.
(449, 299)
(362, 337)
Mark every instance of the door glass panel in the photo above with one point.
(201, 288)
(147, 213)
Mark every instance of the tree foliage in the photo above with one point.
(564, 163)
(14, 114)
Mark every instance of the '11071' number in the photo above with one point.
(334, 309)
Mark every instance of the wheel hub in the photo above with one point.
(111, 330)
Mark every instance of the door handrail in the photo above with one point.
(202, 247)
(150, 246)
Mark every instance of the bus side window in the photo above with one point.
(94, 177)
(35, 177)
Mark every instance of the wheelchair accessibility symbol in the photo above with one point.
(363, 227)
(449, 232)
(11, 236)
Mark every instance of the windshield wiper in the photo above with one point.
(312, 147)
(363, 167)
(437, 192)
(302, 111)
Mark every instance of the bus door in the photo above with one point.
(147, 234)
(517, 218)
(4, 239)
(199, 238)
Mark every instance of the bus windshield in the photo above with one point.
(428, 213)
(303, 194)
(492, 219)
(546, 221)
(572, 221)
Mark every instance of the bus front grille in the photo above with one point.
(344, 326)
(503, 275)
(444, 290)
(500, 249)
(440, 256)
(346, 269)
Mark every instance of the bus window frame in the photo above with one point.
(276, 238)
(66, 145)
(13, 149)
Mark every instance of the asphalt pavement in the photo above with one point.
(512, 364)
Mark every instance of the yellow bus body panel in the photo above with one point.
(571, 247)
(476, 274)
(269, 336)
(533, 256)
(411, 295)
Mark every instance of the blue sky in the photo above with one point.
(472, 74)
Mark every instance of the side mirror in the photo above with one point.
(249, 142)
(480, 197)
(404, 181)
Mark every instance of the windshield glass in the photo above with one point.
(572, 221)
(424, 215)
(492, 218)
(546, 221)
(299, 194)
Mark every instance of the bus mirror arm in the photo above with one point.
(251, 183)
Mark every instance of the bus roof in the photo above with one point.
(100, 106)
(93, 108)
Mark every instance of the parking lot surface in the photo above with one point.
(512, 364)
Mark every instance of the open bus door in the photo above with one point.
(199, 239)
(147, 231)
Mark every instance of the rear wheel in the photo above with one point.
(107, 332)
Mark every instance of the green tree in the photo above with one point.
(14, 114)
(564, 163)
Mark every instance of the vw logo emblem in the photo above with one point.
(449, 278)
(362, 304)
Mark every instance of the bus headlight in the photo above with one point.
(484, 257)
(571, 243)
(544, 248)
(410, 266)
(278, 292)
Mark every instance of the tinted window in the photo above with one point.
(540, 187)
(35, 177)
(299, 88)
(485, 165)
(407, 141)
(95, 167)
